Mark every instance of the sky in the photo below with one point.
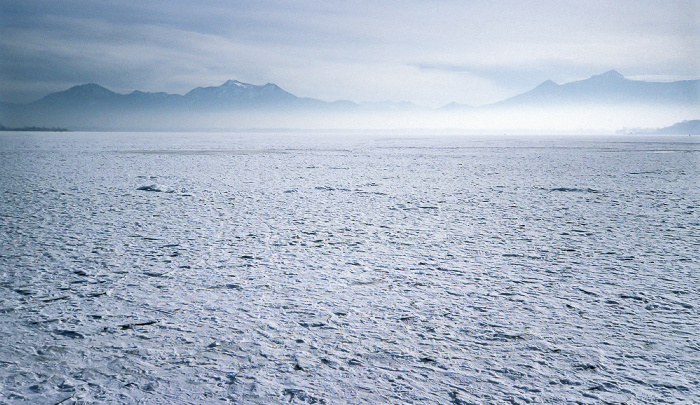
(429, 52)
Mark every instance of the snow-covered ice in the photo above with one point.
(280, 268)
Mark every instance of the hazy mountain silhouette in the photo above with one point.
(91, 106)
(232, 94)
(691, 127)
(608, 88)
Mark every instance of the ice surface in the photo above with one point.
(348, 269)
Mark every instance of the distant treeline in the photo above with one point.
(30, 129)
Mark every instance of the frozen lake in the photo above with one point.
(282, 268)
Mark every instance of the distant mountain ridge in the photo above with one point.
(684, 127)
(609, 88)
(91, 106)
(688, 127)
(230, 94)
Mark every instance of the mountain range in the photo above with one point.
(609, 88)
(91, 106)
(690, 127)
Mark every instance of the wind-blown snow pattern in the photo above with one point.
(365, 269)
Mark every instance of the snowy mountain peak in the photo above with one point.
(236, 83)
(236, 93)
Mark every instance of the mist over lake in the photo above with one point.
(350, 267)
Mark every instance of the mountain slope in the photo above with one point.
(681, 128)
(610, 88)
(90, 93)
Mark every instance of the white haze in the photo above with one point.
(592, 119)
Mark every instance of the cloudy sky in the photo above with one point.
(431, 52)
